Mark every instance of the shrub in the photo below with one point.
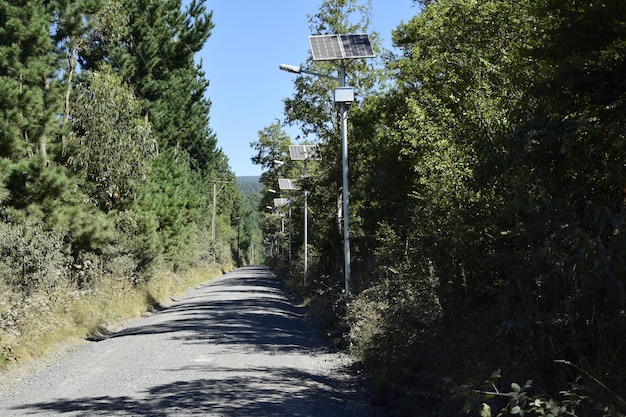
(31, 258)
(488, 400)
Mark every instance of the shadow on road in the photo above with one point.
(246, 312)
(248, 309)
(279, 393)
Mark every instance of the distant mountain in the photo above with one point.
(250, 185)
(250, 178)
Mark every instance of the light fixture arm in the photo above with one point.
(297, 70)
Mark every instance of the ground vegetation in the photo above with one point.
(107, 163)
(487, 206)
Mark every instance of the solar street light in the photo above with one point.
(280, 202)
(304, 153)
(339, 48)
(288, 184)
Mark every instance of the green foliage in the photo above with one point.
(112, 143)
(166, 205)
(29, 96)
(88, 90)
(249, 233)
(51, 196)
(487, 400)
(31, 258)
(486, 199)
(272, 154)
(272, 145)
(157, 58)
(250, 186)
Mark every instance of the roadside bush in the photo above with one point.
(488, 400)
(391, 326)
(201, 253)
(31, 258)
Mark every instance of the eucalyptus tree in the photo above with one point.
(272, 154)
(155, 55)
(112, 143)
(80, 28)
(38, 189)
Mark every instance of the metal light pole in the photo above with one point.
(339, 48)
(306, 229)
(304, 153)
(287, 184)
(344, 97)
(215, 192)
(290, 228)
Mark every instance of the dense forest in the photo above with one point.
(487, 205)
(110, 176)
(487, 190)
(250, 244)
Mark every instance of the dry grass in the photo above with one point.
(43, 323)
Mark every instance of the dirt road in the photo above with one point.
(236, 346)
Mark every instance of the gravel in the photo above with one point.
(235, 346)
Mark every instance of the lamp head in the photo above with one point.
(290, 68)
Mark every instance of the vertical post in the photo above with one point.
(282, 235)
(238, 242)
(344, 154)
(290, 228)
(213, 248)
(213, 215)
(306, 228)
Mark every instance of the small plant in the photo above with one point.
(487, 401)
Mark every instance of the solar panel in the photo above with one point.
(325, 47)
(357, 46)
(303, 152)
(333, 47)
(287, 184)
(280, 202)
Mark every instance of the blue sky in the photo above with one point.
(241, 58)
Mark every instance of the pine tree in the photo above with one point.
(157, 58)
(29, 96)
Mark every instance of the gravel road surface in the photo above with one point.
(236, 346)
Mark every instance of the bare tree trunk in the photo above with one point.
(43, 149)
